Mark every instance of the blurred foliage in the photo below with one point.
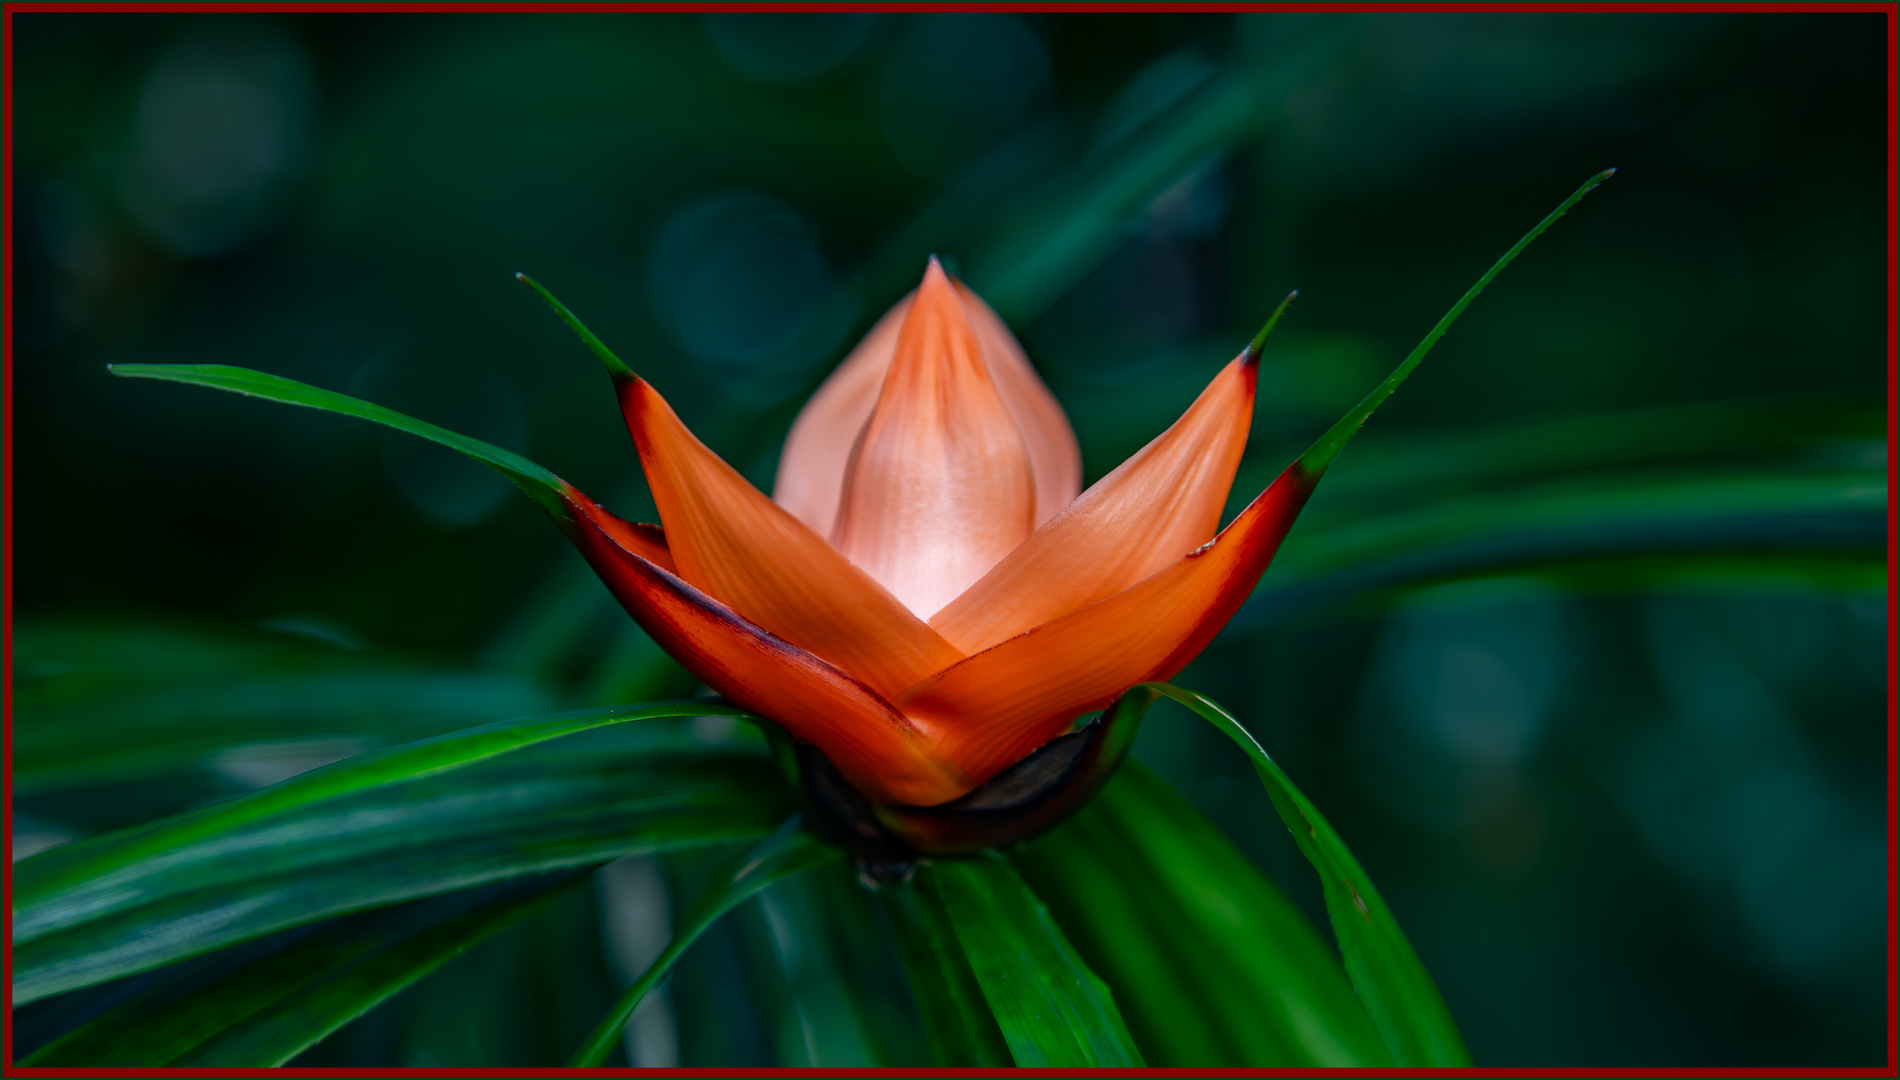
(1580, 647)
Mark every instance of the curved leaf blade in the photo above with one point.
(541, 485)
(1212, 965)
(957, 1021)
(1828, 526)
(545, 813)
(614, 365)
(788, 851)
(269, 1010)
(1326, 448)
(99, 860)
(99, 701)
(371, 834)
(1053, 1011)
(1401, 998)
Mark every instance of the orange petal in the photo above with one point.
(1054, 456)
(811, 467)
(729, 540)
(1000, 704)
(1159, 505)
(884, 755)
(938, 488)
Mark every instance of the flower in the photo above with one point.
(928, 596)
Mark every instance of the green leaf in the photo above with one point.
(272, 1008)
(99, 702)
(614, 365)
(1404, 1004)
(789, 850)
(958, 1024)
(541, 485)
(374, 829)
(1757, 435)
(1053, 1011)
(1320, 455)
(1212, 965)
(1641, 525)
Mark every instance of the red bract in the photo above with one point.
(926, 597)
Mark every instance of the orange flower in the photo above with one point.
(928, 596)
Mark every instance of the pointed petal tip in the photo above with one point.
(935, 275)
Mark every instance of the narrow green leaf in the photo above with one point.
(789, 850)
(1212, 965)
(541, 485)
(1321, 454)
(1775, 520)
(1259, 342)
(545, 812)
(613, 364)
(958, 1024)
(105, 701)
(100, 859)
(269, 1010)
(1401, 998)
(371, 830)
(1053, 1011)
(848, 969)
(1757, 435)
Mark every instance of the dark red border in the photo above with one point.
(1085, 7)
(6, 507)
(1891, 10)
(1893, 535)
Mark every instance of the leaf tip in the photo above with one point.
(1252, 354)
(616, 367)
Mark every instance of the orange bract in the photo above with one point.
(934, 477)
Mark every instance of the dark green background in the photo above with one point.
(1627, 819)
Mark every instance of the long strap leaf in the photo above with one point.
(1211, 964)
(1052, 1009)
(788, 851)
(1404, 1003)
(94, 864)
(267, 1011)
(541, 485)
(1321, 454)
(544, 809)
(957, 1020)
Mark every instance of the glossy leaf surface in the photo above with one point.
(268, 1010)
(1401, 998)
(375, 829)
(789, 850)
(958, 1024)
(1212, 965)
(1053, 1011)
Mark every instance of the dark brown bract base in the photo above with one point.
(1026, 799)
